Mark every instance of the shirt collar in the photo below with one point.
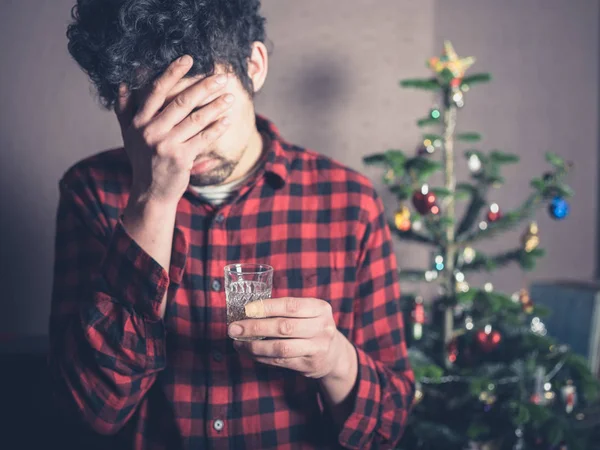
(277, 160)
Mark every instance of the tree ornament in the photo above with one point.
(569, 396)
(474, 163)
(526, 302)
(469, 323)
(418, 393)
(429, 146)
(531, 239)
(488, 398)
(425, 151)
(452, 350)
(437, 262)
(389, 176)
(468, 255)
(418, 317)
(537, 397)
(494, 213)
(538, 327)
(520, 443)
(449, 67)
(461, 284)
(402, 219)
(558, 208)
(488, 339)
(431, 275)
(549, 394)
(457, 97)
(435, 113)
(425, 202)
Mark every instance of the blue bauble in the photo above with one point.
(558, 208)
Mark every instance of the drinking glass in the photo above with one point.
(246, 283)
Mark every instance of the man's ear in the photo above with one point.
(258, 65)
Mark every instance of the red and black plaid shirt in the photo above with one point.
(178, 382)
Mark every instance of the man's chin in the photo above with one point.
(215, 175)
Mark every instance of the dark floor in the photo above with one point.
(28, 418)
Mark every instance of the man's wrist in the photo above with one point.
(346, 364)
(142, 208)
(339, 385)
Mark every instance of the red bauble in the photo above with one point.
(418, 314)
(452, 350)
(494, 213)
(425, 203)
(488, 339)
(492, 217)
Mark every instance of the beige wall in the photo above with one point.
(544, 56)
(333, 88)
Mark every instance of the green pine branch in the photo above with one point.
(428, 121)
(468, 137)
(412, 235)
(414, 275)
(421, 169)
(477, 203)
(504, 223)
(488, 176)
(526, 260)
(430, 84)
(476, 78)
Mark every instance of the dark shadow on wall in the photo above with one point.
(26, 248)
(317, 93)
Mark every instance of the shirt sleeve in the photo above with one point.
(107, 340)
(385, 384)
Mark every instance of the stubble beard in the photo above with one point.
(215, 176)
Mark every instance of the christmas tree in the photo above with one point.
(488, 375)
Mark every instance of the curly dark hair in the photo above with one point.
(134, 41)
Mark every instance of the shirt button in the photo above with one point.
(217, 355)
(220, 219)
(218, 425)
(216, 285)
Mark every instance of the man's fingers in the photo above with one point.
(288, 307)
(200, 119)
(199, 94)
(161, 88)
(295, 364)
(280, 327)
(124, 107)
(207, 136)
(281, 348)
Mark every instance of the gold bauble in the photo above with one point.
(525, 300)
(531, 239)
(402, 219)
(469, 254)
(390, 176)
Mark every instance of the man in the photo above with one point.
(139, 342)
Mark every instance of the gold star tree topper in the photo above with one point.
(450, 63)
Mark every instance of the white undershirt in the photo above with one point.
(217, 195)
